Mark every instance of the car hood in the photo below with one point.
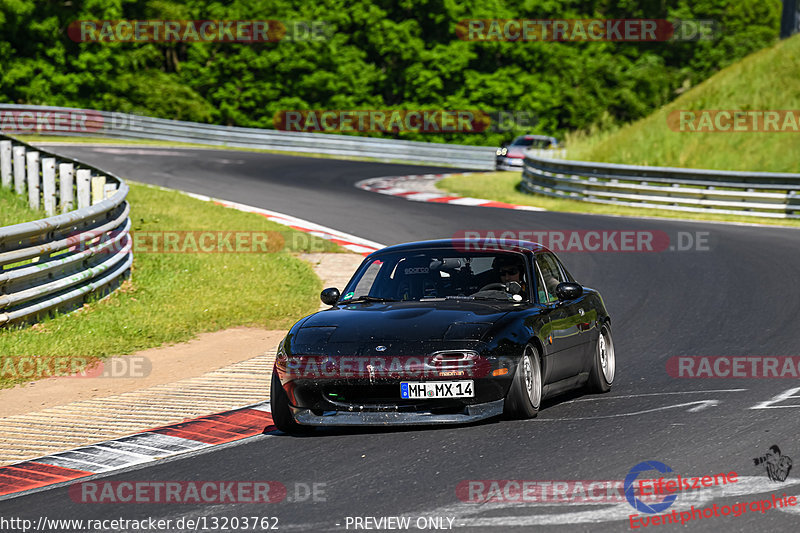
(398, 326)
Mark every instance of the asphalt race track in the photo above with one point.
(738, 297)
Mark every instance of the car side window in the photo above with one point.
(551, 275)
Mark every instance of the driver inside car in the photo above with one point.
(511, 269)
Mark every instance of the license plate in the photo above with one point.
(411, 390)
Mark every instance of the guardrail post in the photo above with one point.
(5, 163)
(66, 179)
(19, 169)
(49, 185)
(84, 187)
(792, 203)
(33, 179)
(98, 189)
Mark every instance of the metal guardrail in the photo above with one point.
(25, 119)
(66, 121)
(55, 263)
(762, 194)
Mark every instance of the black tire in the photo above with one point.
(281, 414)
(604, 367)
(525, 395)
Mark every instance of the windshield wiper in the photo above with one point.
(471, 297)
(368, 299)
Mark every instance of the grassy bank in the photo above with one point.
(171, 297)
(766, 80)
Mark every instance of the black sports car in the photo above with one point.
(446, 331)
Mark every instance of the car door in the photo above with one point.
(565, 321)
(587, 324)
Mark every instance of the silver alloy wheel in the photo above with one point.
(607, 360)
(533, 380)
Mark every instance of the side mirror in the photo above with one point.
(568, 291)
(329, 296)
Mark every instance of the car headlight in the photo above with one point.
(502, 151)
(281, 358)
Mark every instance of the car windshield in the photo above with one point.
(436, 274)
(540, 143)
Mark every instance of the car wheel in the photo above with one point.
(281, 414)
(525, 395)
(605, 363)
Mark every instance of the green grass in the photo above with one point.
(14, 208)
(766, 80)
(504, 187)
(171, 297)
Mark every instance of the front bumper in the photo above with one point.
(508, 163)
(335, 391)
(470, 413)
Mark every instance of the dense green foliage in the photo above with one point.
(401, 54)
